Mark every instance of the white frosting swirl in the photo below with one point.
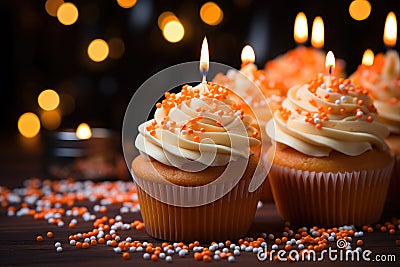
(316, 118)
(198, 125)
(382, 79)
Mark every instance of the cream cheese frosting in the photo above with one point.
(382, 79)
(201, 124)
(328, 114)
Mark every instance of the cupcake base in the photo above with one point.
(329, 197)
(228, 217)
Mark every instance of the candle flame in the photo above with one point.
(204, 58)
(317, 34)
(390, 31)
(300, 28)
(368, 58)
(83, 131)
(248, 55)
(330, 62)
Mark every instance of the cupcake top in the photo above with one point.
(203, 124)
(382, 79)
(298, 66)
(328, 114)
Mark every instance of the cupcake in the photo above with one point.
(263, 96)
(197, 170)
(331, 165)
(382, 80)
(298, 66)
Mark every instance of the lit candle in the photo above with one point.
(368, 58)
(317, 34)
(248, 56)
(390, 31)
(204, 60)
(300, 29)
(330, 67)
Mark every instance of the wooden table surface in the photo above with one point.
(18, 245)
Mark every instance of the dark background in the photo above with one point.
(38, 52)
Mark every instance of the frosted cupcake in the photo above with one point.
(382, 80)
(331, 165)
(196, 168)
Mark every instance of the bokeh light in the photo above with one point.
(83, 131)
(117, 48)
(300, 28)
(211, 13)
(173, 31)
(368, 58)
(317, 33)
(67, 13)
(98, 50)
(52, 6)
(126, 3)
(390, 30)
(360, 9)
(164, 18)
(48, 99)
(29, 125)
(51, 120)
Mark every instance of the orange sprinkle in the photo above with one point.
(85, 245)
(140, 226)
(39, 238)
(126, 256)
(392, 231)
(278, 241)
(50, 234)
(101, 240)
(154, 257)
(93, 242)
(360, 242)
(206, 258)
(197, 256)
(78, 244)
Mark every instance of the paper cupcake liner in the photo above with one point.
(228, 217)
(394, 188)
(326, 198)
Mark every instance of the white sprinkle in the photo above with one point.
(162, 255)
(337, 102)
(343, 98)
(300, 246)
(57, 244)
(86, 240)
(316, 120)
(236, 252)
(133, 249)
(331, 239)
(216, 258)
(231, 259)
(72, 242)
(182, 253)
(232, 246)
(117, 250)
(274, 247)
(221, 245)
(341, 86)
(323, 86)
(168, 259)
(146, 256)
(59, 249)
(225, 250)
(329, 90)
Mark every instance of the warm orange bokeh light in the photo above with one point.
(248, 55)
(173, 31)
(368, 58)
(300, 28)
(164, 18)
(98, 50)
(29, 125)
(52, 6)
(51, 120)
(48, 99)
(317, 34)
(126, 3)
(83, 131)
(211, 13)
(67, 13)
(390, 31)
(360, 9)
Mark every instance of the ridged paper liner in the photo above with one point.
(228, 217)
(394, 188)
(328, 199)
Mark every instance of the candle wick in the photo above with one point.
(330, 70)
